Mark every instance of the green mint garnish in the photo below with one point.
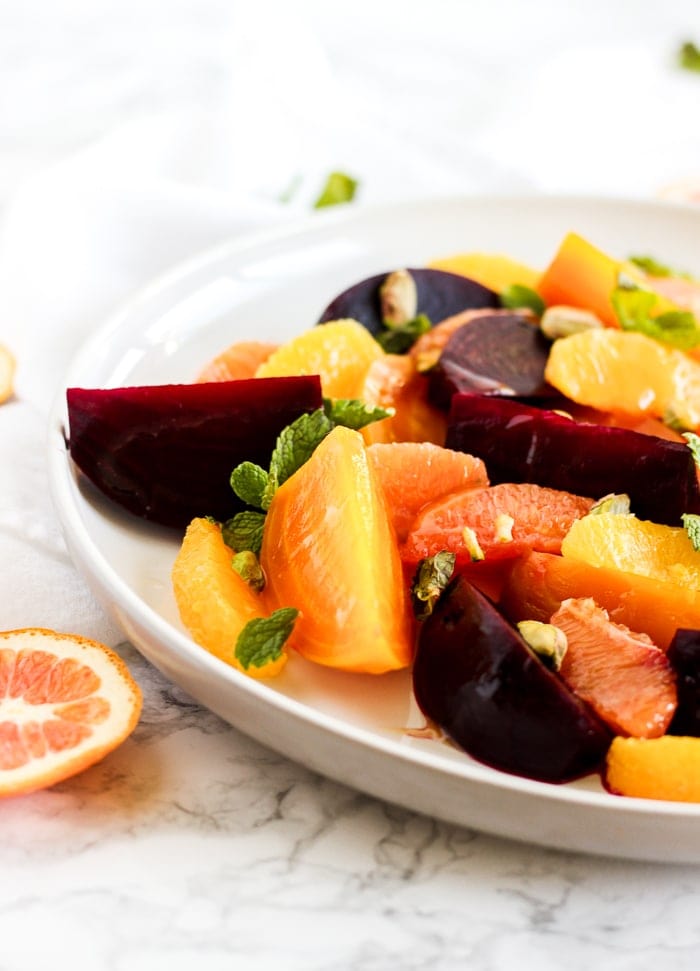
(339, 188)
(247, 566)
(398, 338)
(692, 528)
(353, 413)
(633, 306)
(693, 441)
(244, 531)
(689, 56)
(262, 638)
(249, 481)
(652, 267)
(432, 576)
(516, 296)
(295, 444)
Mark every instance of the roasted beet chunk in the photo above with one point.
(166, 452)
(439, 295)
(496, 354)
(476, 677)
(684, 655)
(520, 443)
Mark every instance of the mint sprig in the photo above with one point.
(339, 188)
(691, 522)
(633, 307)
(518, 296)
(295, 445)
(432, 576)
(399, 338)
(262, 639)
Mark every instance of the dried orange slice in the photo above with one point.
(65, 703)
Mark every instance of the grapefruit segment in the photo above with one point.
(240, 360)
(506, 518)
(65, 703)
(413, 474)
(622, 675)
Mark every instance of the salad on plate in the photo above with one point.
(478, 470)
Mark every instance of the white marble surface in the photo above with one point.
(132, 134)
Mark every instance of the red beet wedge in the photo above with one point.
(477, 678)
(519, 443)
(166, 452)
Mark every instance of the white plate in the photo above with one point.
(350, 728)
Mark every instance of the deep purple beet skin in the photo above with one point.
(476, 678)
(520, 443)
(494, 354)
(166, 452)
(440, 295)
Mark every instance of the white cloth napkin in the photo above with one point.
(409, 105)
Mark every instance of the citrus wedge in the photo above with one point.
(330, 551)
(65, 703)
(214, 601)
(340, 352)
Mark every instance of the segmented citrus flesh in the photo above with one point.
(655, 768)
(340, 352)
(623, 542)
(65, 703)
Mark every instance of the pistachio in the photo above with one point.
(561, 321)
(546, 640)
(503, 528)
(616, 504)
(398, 295)
(247, 566)
(472, 544)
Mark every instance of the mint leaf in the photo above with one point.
(633, 307)
(262, 638)
(652, 266)
(399, 338)
(339, 188)
(516, 296)
(432, 576)
(244, 531)
(295, 444)
(689, 56)
(247, 566)
(249, 482)
(693, 441)
(353, 413)
(692, 527)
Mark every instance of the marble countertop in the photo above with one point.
(192, 844)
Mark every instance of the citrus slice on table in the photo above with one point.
(65, 703)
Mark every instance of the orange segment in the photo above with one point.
(393, 381)
(623, 542)
(240, 360)
(659, 768)
(614, 370)
(506, 518)
(340, 352)
(493, 270)
(65, 703)
(413, 474)
(215, 602)
(329, 550)
(538, 583)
